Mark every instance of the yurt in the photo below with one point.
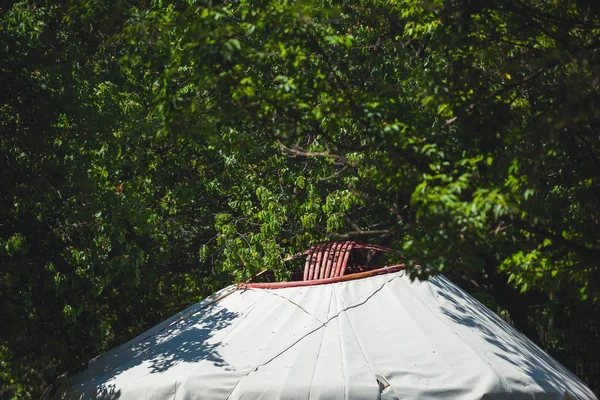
(338, 330)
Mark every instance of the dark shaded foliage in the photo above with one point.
(150, 151)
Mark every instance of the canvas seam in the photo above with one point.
(310, 333)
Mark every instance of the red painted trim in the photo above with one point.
(343, 278)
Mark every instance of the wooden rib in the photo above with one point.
(308, 264)
(314, 269)
(330, 261)
(326, 254)
(344, 264)
(340, 266)
(319, 260)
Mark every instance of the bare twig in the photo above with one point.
(500, 228)
(303, 153)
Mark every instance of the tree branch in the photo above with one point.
(303, 153)
(348, 235)
(335, 174)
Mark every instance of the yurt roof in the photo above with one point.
(383, 336)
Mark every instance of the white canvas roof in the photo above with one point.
(383, 337)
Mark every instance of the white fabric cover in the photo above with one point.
(383, 337)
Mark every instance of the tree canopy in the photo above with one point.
(154, 151)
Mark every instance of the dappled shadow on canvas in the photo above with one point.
(108, 392)
(511, 345)
(188, 339)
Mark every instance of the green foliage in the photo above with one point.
(476, 119)
(96, 207)
(154, 151)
